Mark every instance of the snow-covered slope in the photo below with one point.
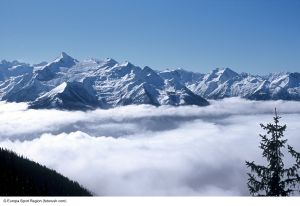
(68, 95)
(67, 83)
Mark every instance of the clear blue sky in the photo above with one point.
(256, 36)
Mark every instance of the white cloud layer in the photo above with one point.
(146, 150)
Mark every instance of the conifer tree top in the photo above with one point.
(274, 179)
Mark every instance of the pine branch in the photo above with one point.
(295, 154)
(258, 169)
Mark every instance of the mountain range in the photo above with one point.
(67, 83)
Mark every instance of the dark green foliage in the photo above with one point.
(22, 177)
(274, 179)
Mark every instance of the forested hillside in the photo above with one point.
(22, 177)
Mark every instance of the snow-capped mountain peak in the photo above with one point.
(108, 62)
(4, 64)
(226, 74)
(65, 60)
(50, 70)
(126, 64)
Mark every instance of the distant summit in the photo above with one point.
(65, 60)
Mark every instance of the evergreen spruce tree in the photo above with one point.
(274, 179)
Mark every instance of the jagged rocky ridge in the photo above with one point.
(67, 83)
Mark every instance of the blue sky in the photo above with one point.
(256, 36)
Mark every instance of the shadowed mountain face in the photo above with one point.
(67, 83)
(22, 177)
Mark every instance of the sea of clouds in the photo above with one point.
(147, 150)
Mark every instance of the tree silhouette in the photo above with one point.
(274, 179)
